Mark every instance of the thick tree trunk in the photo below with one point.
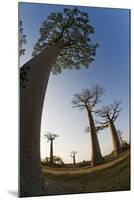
(51, 152)
(115, 138)
(96, 156)
(32, 96)
(74, 159)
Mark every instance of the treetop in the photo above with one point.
(73, 30)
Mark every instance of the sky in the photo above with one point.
(110, 70)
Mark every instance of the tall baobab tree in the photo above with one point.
(109, 114)
(51, 137)
(87, 100)
(65, 42)
(73, 156)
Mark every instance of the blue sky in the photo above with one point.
(110, 70)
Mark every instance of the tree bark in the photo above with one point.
(115, 138)
(96, 156)
(31, 105)
(74, 159)
(51, 152)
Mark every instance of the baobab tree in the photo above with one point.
(109, 114)
(124, 143)
(87, 100)
(65, 42)
(73, 156)
(120, 135)
(51, 137)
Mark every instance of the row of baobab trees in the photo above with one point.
(52, 159)
(65, 42)
(98, 119)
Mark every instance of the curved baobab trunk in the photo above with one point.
(115, 138)
(51, 152)
(31, 103)
(96, 156)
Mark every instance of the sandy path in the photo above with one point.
(71, 171)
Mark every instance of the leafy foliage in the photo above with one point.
(73, 30)
(56, 160)
(22, 39)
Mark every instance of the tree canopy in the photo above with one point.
(50, 136)
(73, 30)
(22, 39)
(73, 153)
(88, 98)
(110, 112)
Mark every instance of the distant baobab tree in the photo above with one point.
(65, 41)
(73, 156)
(87, 100)
(51, 137)
(109, 114)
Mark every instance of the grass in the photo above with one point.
(111, 176)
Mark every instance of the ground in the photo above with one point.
(113, 175)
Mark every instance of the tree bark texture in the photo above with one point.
(31, 105)
(96, 156)
(115, 138)
(74, 159)
(51, 152)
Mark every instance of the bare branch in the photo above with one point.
(110, 112)
(104, 124)
(98, 92)
(73, 153)
(88, 98)
(98, 128)
(116, 109)
(104, 112)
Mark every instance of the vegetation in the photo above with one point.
(72, 29)
(22, 39)
(73, 156)
(56, 161)
(51, 137)
(65, 42)
(87, 100)
(111, 176)
(109, 114)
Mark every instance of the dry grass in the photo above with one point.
(111, 176)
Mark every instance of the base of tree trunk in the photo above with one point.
(31, 186)
(97, 162)
(118, 152)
